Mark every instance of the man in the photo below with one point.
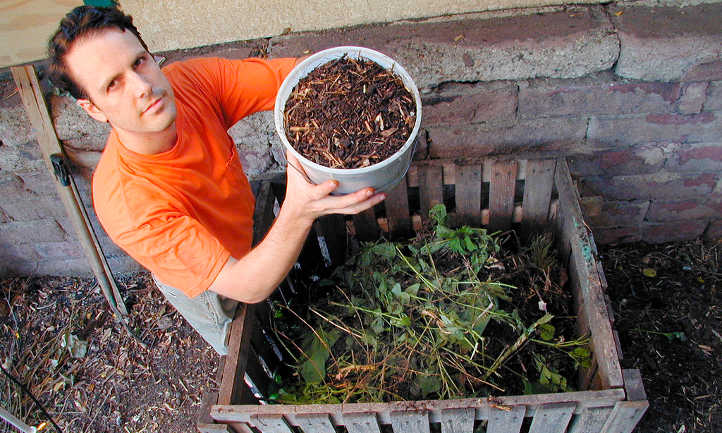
(169, 188)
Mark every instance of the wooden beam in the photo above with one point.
(32, 96)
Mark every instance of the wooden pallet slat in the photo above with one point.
(591, 420)
(315, 423)
(457, 420)
(552, 418)
(362, 422)
(271, 424)
(430, 188)
(367, 228)
(409, 421)
(397, 209)
(506, 421)
(501, 194)
(468, 194)
(537, 194)
(625, 416)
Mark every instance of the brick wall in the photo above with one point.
(632, 95)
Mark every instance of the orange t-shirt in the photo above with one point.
(183, 212)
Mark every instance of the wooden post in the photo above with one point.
(37, 110)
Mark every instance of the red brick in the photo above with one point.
(597, 94)
(714, 97)
(546, 135)
(684, 209)
(697, 158)
(619, 214)
(656, 233)
(620, 235)
(693, 98)
(662, 185)
(714, 231)
(490, 104)
(659, 128)
(705, 72)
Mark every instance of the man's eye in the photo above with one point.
(140, 61)
(112, 84)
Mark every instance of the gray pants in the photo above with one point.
(208, 313)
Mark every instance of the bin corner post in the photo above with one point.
(31, 93)
(627, 414)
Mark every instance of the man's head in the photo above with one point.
(97, 54)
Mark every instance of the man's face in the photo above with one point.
(123, 82)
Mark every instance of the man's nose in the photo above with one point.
(141, 85)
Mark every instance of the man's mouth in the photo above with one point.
(152, 106)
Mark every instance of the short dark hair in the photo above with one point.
(81, 22)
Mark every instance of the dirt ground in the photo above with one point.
(150, 376)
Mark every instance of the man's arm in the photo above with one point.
(255, 276)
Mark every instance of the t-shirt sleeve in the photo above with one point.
(250, 85)
(177, 249)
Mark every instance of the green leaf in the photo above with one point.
(428, 384)
(313, 370)
(378, 325)
(438, 214)
(469, 244)
(547, 331)
(413, 289)
(396, 290)
(649, 272)
(386, 249)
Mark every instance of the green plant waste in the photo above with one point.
(429, 319)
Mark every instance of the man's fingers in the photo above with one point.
(324, 189)
(353, 203)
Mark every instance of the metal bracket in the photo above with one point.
(60, 169)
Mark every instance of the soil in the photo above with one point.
(122, 386)
(349, 113)
(668, 309)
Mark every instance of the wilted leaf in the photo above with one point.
(77, 347)
(313, 369)
(649, 272)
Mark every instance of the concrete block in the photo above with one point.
(562, 44)
(711, 71)
(29, 209)
(75, 267)
(703, 157)
(540, 135)
(594, 95)
(59, 250)
(657, 233)
(714, 97)
(619, 214)
(664, 128)
(661, 185)
(39, 182)
(619, 235)
(678, 210)
(492, 104)
(714, 231)
(255, 161)
(71, 122)
(19, 232)
(21, 157)
(15, 126)
(17, 266)
(665, 43)
(693, 98)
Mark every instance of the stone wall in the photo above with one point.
(632, 95)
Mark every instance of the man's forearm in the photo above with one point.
(255, 276)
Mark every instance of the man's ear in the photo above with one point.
(92, 110)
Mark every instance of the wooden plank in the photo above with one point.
(397, 210)
(271, 424)
(361, 422)
(625, 416)
(552, 418)
(236, 360)
(367, 228)
(591, 420)
(213, 428)
(574, 229)
(315, 423)
(458, 420)
(582, 399)
(468, 194)
(537, 195)
(633, 385)
(501, 194)
(503, 421)
(410, 421)
(430, 188)
(37, 111)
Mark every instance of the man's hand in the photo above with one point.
(306, 201)
(256, 275)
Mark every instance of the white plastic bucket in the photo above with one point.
(383, 175)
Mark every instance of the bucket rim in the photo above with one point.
(301, 70)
